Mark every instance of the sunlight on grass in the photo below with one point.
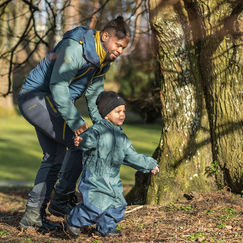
(21, 155)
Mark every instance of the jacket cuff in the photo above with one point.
(76, 124)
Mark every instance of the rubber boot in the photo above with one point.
(61, 205)
(35, 218)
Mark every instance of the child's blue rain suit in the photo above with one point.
(105, 148)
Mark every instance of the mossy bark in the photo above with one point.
(222, 54)
(201, 94)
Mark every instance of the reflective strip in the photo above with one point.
(32, 107)
(103, 65)
(82, 74)
(100, 75)
(64, 130)
(91, 80)
(52, 106)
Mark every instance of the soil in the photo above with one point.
(215, 217)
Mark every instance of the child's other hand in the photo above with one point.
(155, 170)
(77, 140)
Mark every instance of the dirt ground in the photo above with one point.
(216, 217)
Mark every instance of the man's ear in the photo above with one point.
(105, 36)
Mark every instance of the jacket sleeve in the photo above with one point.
(91, 95)
(141, 162)
(69, 60)
(90, 139)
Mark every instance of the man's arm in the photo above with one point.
(89, 139)
(91, 95)
(68, 61)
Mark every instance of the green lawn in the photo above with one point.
(20, 154)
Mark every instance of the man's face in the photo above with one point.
(117, 115)
(113, 45)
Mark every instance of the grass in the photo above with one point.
(20, 153)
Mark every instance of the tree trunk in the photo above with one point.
(94, 16)
(71, 15)
(201, 93)
(221, 62)
(6, 41)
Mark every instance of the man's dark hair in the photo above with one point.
(117, 27)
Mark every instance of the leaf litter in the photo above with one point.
(207, 217)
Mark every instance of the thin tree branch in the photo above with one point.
(27, 29)
(31, 5)
(5, 3)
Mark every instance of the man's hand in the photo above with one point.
(77, 140)
(155, 170)
(81, 129)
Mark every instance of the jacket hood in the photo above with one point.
(85, 36)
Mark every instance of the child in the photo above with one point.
(105, 148)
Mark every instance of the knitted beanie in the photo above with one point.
(107, 101)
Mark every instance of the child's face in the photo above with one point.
(117, 115)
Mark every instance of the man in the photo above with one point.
(46, 100)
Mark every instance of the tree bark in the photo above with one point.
(72, 15)
(199, 50)
(221, 54)
(7, 39)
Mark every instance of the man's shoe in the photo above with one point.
(74, 231)
(33, 218)
(47, 224)
(61, 205)
(73, 199)
(59, 210)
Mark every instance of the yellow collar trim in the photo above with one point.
(99, 48)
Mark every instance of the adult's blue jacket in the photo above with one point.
(65, 73)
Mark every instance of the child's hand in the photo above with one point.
(155, 170)
(77, 140)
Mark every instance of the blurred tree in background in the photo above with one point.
(139, 80)
(30, 29)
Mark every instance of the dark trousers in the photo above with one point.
(54, 137)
